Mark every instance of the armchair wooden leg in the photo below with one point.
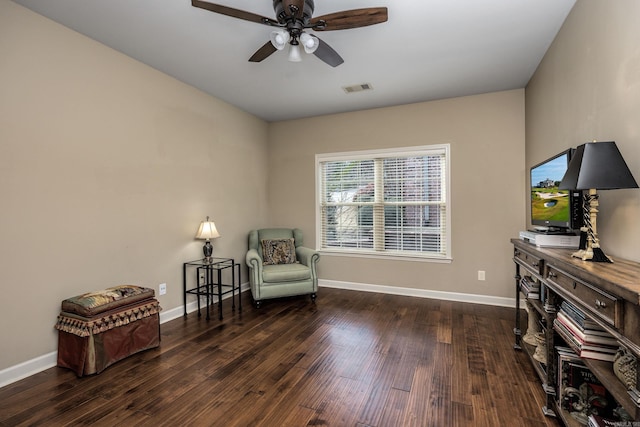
(313, 297)
(257, 303)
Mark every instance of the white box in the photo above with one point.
(551, 240)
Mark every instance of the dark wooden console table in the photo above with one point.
(608, 294)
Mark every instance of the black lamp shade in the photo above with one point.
(597, 165)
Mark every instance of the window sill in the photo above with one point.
(390, 257)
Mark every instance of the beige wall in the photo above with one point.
(588, 88)
(486, 133)
(107, 168)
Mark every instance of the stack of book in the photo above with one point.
(586, 337)
(530, 287)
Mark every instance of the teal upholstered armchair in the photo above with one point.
(279, 265)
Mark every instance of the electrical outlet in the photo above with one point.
(162, 289)
(201, 279)
(481, 275)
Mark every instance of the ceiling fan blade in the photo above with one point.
(350, 19)
(235, 13)
(327, 54)
(267, 49)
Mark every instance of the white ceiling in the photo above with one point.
(428, 49)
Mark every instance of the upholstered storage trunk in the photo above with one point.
(97, 329)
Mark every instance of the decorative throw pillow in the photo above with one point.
(278, 251)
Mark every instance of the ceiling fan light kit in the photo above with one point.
(280, 38)
(295, 16)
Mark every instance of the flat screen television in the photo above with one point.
(554, 210)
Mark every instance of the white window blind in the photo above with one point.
(392, 202)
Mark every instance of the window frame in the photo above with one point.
(418, 151)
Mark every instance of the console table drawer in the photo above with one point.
(602, 305)
(532, 261)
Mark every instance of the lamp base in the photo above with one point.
(207, 250)
(589, 242)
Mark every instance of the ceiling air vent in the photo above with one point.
(357, 88)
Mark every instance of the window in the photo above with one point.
(385, 202)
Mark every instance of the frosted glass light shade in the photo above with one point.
(294, 53)
(279, 39)
(309, 42)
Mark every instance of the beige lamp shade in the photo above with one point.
(207, 230)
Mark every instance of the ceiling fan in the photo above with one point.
(295, 16)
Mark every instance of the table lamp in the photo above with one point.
(595, 166)
(207, 231)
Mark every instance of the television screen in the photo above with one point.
(551, 207)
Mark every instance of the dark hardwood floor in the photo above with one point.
(352, 359)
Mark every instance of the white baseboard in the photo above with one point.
(31, 367)
(26, 369)
(420, 293)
